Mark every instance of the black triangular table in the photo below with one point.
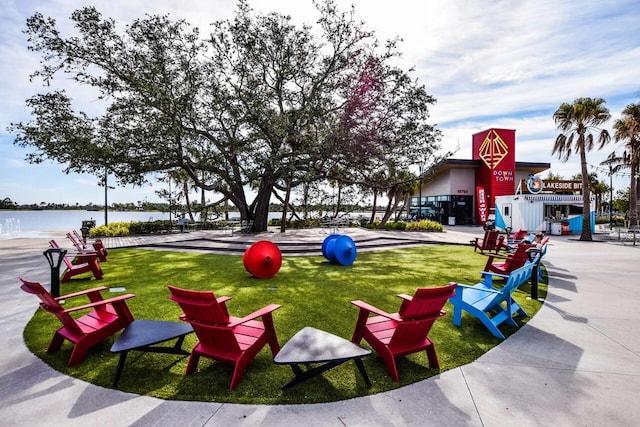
(311, 345)
(142, 335)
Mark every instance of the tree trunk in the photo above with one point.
(339, 200)
(391, 206)
(285, 205)
(187, 201)
(203, 208)
(586, 193)
(261, 213)
(373, 209)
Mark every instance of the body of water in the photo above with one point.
(40, 223)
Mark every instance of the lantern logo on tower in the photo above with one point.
(493, 150)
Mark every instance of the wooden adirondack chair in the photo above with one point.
(490, 305)
(491, 242)
(105, 318)
(96, 241)
(98, 247)
(81, 263)
(225, 338)
(405, 332)
(505, 264)
(518, 236)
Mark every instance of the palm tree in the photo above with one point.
(578, 122)
(627, 129)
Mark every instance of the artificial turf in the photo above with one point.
(312, 292)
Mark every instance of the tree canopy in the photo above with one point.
(257, 106)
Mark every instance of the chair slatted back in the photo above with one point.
(50, 305)
(490, 241)
(75, 242)
(208, 317)
(66, 260)
(518, 258)
(201, 306)
(419, 314)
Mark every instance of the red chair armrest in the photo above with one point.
(80, 293)
(99, 303)
(265, 311)
(368, 307)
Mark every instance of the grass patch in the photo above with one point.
(312, 292)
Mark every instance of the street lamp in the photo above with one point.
(610, 197)
(54, 257)
(611, 161)
(106, 188)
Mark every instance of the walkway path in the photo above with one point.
(576, 363)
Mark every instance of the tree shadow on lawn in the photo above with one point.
(312, 292)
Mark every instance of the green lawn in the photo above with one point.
(312, 292)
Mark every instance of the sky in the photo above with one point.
(489, 64)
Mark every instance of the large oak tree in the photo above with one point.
(259, 105)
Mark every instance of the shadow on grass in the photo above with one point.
(312, 292)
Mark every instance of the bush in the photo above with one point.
(424, 225)
(119, 229)
(395, 225)
(618, 220)
(115, 229)
(296, 223)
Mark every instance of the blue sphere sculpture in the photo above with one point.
(339, 249)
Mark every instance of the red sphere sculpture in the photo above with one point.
(262, 259)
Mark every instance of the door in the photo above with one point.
(507, 214)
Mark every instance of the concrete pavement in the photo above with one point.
(576, 363)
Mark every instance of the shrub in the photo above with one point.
(115, 229)
(424, 225)
(618, 220)
(395, 225)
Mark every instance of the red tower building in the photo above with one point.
(496, 176)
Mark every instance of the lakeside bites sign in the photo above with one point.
(551, 186)
(496, 175)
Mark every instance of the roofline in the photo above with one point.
(446, 164)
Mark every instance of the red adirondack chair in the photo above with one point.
(491, 242)
(81, 263)
(405, 332)
(505, 264)
(225, 338)
(105, 318)
(98, 247)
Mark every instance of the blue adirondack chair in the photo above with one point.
(492, 306)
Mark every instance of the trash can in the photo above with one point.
(556, 228)
(565, 227)
(87, 225)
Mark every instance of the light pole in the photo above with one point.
(106, 188)
(420, 196)
(610, 197)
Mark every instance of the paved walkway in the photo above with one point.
(576, 363)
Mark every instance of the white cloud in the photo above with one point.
(489, 63)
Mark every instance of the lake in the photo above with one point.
(41, 223)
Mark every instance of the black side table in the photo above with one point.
(141, 335)
(311, 345)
